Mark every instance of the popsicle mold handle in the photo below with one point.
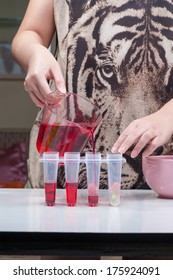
(83, 159)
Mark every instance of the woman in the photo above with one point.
(116, 53)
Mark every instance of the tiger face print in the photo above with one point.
(119, 54)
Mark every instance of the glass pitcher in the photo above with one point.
(66, 123)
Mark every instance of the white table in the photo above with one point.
(141, 224)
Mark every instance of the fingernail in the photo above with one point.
(114, 149)
(134, 154)
(62, 89)
(121, 150)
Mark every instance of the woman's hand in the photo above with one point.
(147, 133)
(42, 68)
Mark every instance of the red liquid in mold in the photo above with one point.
(93, 200)
(63, 138)
(50, 193)
(71, 193)
(92, 194)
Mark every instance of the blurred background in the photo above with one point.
(16, 109)
(17, 112)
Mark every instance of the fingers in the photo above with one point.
(35, 99)
(40, 71)
(146, 139)
(153, 145)
(144, 135)
(59, 80)
(38, 88)
(128, 137)
(140, 138)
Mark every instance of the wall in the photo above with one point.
(17, 111)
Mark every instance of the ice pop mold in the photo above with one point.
(93, 161)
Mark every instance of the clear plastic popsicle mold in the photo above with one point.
(71, 163)
(93, 161)
(50, 168)
(114, 162)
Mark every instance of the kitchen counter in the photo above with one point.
(140, 225)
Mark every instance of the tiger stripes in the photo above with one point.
(119, 54)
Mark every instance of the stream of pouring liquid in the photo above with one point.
(93, 199)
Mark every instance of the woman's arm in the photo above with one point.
(30, 49)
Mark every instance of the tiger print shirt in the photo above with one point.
(119, 54)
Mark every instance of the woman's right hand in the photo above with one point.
(42, 68)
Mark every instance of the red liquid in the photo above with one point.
(50, 193)
(63, 138)
(93, 200)
(71, 193)
(92, 141)
(93, 193)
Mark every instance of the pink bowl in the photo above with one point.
(158, 172)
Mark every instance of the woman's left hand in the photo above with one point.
(147, 133)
